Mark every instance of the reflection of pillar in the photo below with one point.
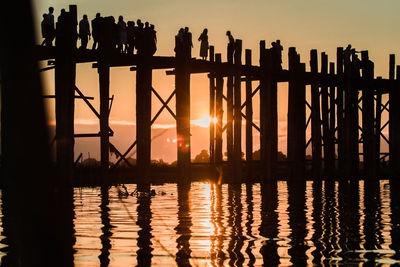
(144, 234)
(106, 229)
(269, 223)
(235, 223)
(297, 222)
(329, 220)
(217, 239)
(183, 228)
(373, 218)
(317, 221)
(395, 217)
(249, 222)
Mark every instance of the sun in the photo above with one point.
(204, 122)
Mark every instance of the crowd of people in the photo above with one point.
(125, 37)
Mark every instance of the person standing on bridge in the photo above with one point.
(231, 46)
(84, 32)
(130, 34)
(96, 30)
(204, 44)
(187, 41)
(49, 22)
(122, 36)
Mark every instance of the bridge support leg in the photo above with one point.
(143, 117)
(249, 119)
(219, 113)
(237, 145)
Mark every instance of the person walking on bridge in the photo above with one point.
(204, 44)
(84, 32)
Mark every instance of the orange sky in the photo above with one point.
(320, 24)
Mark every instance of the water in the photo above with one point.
(210, 225)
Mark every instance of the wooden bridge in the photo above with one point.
(338, 91)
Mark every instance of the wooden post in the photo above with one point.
(378, 125)
(296, 117)
(229, 107)
(182, 85)
(394, 120)
(268, 115)
(315, 118)
(212, 109)
(65, 71)
(219, 112)
(104, 82)
(325, 112)
(249, 119)
(340, 110)
(368, 117)
(332, 115)
(237, 145)
(351, 75)
(143, 115)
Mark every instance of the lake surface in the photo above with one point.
(227, 225)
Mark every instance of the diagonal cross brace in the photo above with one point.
(163, 102)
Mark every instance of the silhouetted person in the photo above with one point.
(204, 44)
(44, 29)
(187, 42)
(60, 27)
(139, 36)
(84, 32)
(231, 46)
(130, 33)
(179, 41)
(96, 30)
(122, 36)
(279, 49)
(48, 23)
(153, 40)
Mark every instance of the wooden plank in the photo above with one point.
(315, 119)
(237, 140)
(369, 150)
(249, 119)
(219, 113)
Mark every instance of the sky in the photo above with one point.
(305, 24)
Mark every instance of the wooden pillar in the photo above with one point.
(212, 109)
(296, 117)
(65, 71)
(394, 120)
(182, 87)
(378, 125)
(351, 118)
(219, 113)
(229, 112)
(237, 145)
(331, 140)
(325, 112)
(249, 118)
(266, 129)
(368, 117)
(340, 110)
(315, 118)
(104, 82)
(143, 115)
